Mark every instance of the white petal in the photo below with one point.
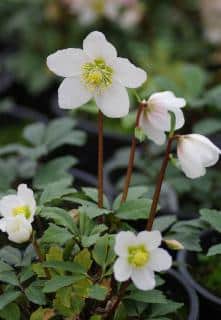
(122, 270)
(19, 229)
(8, 203)
(160, 260)
(95, 46)
(67, 62)
(27, 196)
(123, 240)
(167, 99)
(143, 278)
(151, 239)
(127, 74)
(179, 117)
(158, 136)
(3, 225)
(114, 101)
(209, 153)
(72, 94)
(159, 118)
(190, 161)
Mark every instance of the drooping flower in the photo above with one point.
(95, 72)
(155, 119)
(18, 213)
(138, 258)
(21, 204)
(195, 153)
(18, 228)
(91, 10)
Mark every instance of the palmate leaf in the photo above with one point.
(56, 234)
(152, 296)
(134, 209)
(8, 297)
(58, 282)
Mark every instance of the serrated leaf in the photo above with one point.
(83, 258)
(134, 193)
(216, 249)
(152, 296)
(55, 234)
(213, 217)
(11, 256)
(8, 297)
(103, 252)
(55, 191)
(34, 133)
(98, 292)
(134, 210)
(73, 267)
(163, 223)
(34, 294)
(10, 312)
(58, 282)
(92, 193)
(9, 277)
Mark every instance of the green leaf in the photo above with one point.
(55, 234)
(5, 267)
(152, 296)
(134, 193)
(54, 171)
(60, 217)
(10, 312)
(41, 314)
(172, 123)
(34, 133)
(163, 223)
(55, 191)
(58, 282)
(207, 126)
(98, 292)
(134, 209)
(93, 211)
(213, 217)
(139, 134)
(103, 252)
(9, 277)
(8, 297)
(165, 309)
(11, 255)
(26, 274)
(216, 249)
(73, 267)
(92, 193)
(83, 258)
(34, 294)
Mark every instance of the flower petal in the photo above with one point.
(72, 94)
(95, 46)
(209, 153)
(3, 224)
(19, 229)
(114, 101)
(143, 278)
(158, 136)
(122, 270)
(179, 117)
(160, 260)
(123, 240)
(159, 118)
(27, 196)
(8, 203)
(67, 62)
(151, 239)
(167, 99)
(189, 159)
(128, 74)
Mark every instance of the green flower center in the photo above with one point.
(22, 210)
(97, 75)
(138, 256)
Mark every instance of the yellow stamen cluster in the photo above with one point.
(22, 210)
(97, 75)
(138, 256)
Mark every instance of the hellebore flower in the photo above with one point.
(18, 228)
(95, 72)
(195, 153)
(155, 119)
(139, 257)
(21, 204)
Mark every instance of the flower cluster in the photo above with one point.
(18, 214)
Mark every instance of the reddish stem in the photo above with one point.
(100, 159)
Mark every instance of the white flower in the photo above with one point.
(95, 72)
(196, 152)
(18, 228)
(155, 118)
(139, 257)
(21, 204)
(91, 10)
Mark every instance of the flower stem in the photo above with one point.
(100, 159)
(38, 253)
(132, 154)
(160, 179)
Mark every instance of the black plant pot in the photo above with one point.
(179, 290)
(210, 304)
